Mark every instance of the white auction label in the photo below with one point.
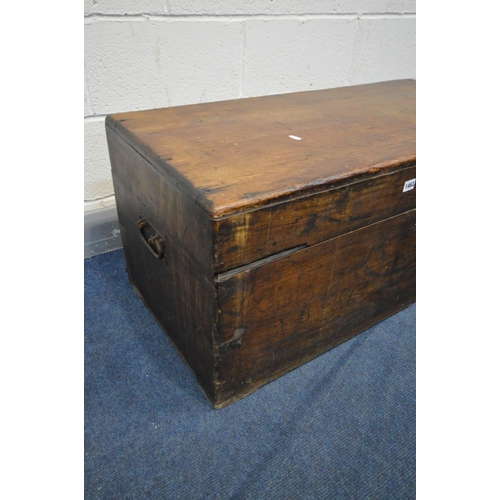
(409, 185)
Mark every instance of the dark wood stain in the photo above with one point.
(248, 236)
(318, 298)
(187, 316)
(275, 250)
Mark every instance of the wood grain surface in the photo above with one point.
(294, 308)
(275, 249)
(236, 155)
(178, 291)
(245, 237)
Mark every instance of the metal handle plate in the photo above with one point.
(151, 238)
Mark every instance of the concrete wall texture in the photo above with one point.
(146, 54)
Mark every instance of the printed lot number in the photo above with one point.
(409, 185)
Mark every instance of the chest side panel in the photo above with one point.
(178, 288)
(277, 316)
(247, 237)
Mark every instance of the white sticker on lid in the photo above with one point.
(409, 185)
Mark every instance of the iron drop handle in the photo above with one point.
(151, 238)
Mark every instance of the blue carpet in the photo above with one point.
(340, 427)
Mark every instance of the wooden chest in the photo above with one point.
(262, 232)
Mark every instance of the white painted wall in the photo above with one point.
(142, 54)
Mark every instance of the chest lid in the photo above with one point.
(234, 156)
(278, 173)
